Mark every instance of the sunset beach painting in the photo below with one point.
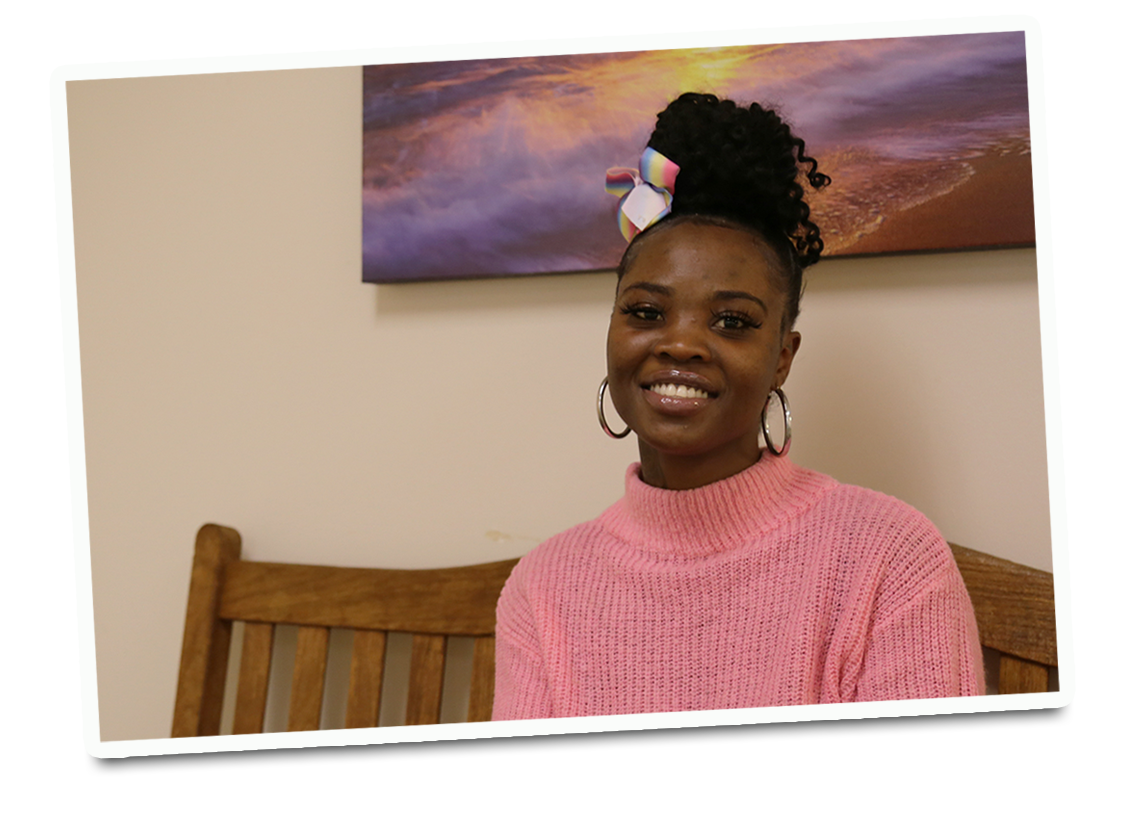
(496, 167)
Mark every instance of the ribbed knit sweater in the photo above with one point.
(777, 586)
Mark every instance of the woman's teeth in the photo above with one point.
(678, 392)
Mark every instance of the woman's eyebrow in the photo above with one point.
(724, 295)
(651, 287)
(664, 290)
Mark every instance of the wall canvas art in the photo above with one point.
(496, 167)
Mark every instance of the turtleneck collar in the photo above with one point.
(720, 516)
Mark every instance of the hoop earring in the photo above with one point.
(788, 423)
(601, 412)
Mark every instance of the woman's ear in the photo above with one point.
(789, 346)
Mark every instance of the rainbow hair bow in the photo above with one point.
(646, 196)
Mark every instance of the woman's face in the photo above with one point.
(698, 308)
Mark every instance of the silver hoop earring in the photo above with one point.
(788, 423)
(601, 412)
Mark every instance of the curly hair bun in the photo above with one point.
(741, 164)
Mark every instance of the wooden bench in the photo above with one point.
(429, 604)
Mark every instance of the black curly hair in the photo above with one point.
(739, 168)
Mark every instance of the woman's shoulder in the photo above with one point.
(567, 551)
(892, 534)
(857, 510)
(872, 507)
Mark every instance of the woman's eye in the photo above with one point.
(642, 312)
(735, 321)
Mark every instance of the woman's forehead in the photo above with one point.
(700, 258)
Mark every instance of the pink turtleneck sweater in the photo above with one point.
(778, 586)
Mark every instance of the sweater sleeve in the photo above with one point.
(521, 691)
(926, 646)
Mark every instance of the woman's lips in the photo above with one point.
(669, 382)
(660, 399)
(678, 390)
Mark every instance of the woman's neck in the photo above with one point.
(680, 472)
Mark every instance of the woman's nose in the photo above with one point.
(684, 340)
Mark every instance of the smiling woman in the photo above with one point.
(727, 576)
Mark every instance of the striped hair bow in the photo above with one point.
(645, 196)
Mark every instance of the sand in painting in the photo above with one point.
(994, 205)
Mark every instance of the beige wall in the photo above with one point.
(235, 370)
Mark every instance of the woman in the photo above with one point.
(727, 576)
